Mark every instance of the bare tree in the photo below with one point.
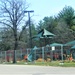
(12, 14)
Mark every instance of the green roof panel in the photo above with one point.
(47, 33)
(56, 44)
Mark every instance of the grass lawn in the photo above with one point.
(52, 63)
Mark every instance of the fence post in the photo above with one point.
(5, 56)
(21, 54)
(62, 52)
(15, 56)
(27, 52)
(35, 54)
(43, 54)
(10, 57)
(1, 56)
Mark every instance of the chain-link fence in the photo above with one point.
(35, 54)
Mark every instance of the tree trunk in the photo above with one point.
(15, 45)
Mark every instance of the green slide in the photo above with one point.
(31, 55)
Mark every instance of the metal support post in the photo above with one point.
(43, 53)
(30, 34)
(62, 52)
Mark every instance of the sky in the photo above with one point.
(43, 8)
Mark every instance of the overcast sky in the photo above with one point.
(43, 8)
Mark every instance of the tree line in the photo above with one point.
(14, 33)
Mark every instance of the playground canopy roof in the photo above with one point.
(73, 47)
(56, 44)
(47, 33)
(35, 48)
(70, 43)
(44, 34)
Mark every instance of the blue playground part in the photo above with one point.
(29, 58)
(31, 55)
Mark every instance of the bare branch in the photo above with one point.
(6, 25)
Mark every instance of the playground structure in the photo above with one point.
(50, 52)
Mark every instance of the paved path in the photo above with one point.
(35, 70)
